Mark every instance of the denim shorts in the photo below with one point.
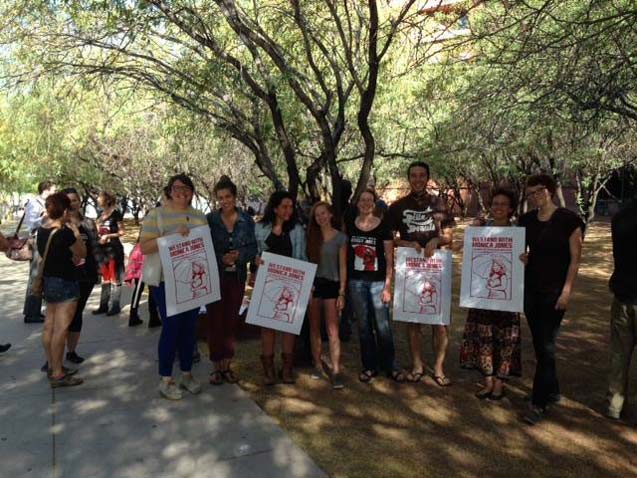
(58, 290)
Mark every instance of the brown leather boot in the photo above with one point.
(287, 372)
(268, 370)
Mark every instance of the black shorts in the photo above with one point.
(325, 288)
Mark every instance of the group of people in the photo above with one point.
(354, 258)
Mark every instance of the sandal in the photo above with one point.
(367, 376)
(441, 380)
(483, 393)
(216, 378)
(414, 377)
(398, 376)
(229, 376)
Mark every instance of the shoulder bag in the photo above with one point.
(38, 281)
(151, 272)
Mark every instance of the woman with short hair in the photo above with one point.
(61, 249)
(177, 216)
(279, 232)
(232, 231)
(110, 254)
(554, 237)
(492, 342)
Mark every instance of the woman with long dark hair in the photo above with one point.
(232, 232)
(279, 232)
(326, 247)
(110, 254)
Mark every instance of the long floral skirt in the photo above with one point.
(491, 343)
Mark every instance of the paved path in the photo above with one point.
(115, 424)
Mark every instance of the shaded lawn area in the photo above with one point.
(421, 430)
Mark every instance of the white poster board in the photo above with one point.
(492, 273)
(281, 293)
(422, 293)
(189, 264)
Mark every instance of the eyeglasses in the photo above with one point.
(181, 189)
(535, 193)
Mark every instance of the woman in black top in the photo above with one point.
(554, 238)
(61, 288)
(87, 271)
(110, 254)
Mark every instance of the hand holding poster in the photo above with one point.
(492, 273)
(281, 293)
(191, 276)
(422, 293)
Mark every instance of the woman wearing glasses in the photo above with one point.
(554, 238)
(177, 216)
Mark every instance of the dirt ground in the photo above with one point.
(421, 430)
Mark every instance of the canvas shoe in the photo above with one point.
(169, 390)
(190, 383)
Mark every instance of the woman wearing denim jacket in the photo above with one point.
(369, 270)
(279, 233)
(235, 245)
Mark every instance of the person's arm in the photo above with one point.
(78, 248)
(248, 251)
(389, 261)
(444, 240)
(342, 266)
(575, 249)
(4, 243)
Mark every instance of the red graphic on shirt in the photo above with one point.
(365, 258)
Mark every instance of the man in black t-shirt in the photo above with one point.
(623, 325)
(423, 221)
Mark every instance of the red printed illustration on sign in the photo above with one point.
(190, 269)
(423, 286)
(281, 293)
(491, 264)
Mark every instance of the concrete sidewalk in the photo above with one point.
(115, 424)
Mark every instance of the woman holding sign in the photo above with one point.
(326, 247)
(232, 233)
(280, 233)
(554, 238)
(178, 331)
(491, 342)
(369, 270)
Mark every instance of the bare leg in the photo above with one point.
(63, 317)
(441, 344)
(415, 346)
(288, 343)
(315, 330)
(268, 337)
(47, 332)
(331, 323)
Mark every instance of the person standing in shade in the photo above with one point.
(327, 247)
(370, 256)
(4, 246)
(134, 278)
(177, 216)
(61, 247)
(86, 271)
(623, 323)
(279, 232)
(491, 342)
(232, 232)
(110, 253)
(34, 214)
(554, 238)
(423, 221)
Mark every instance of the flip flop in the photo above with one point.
(441, 380)
(216, 378)
(229, 376)
(415, 377)
(367, 376)
(398, 376)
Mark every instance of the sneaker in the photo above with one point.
(65, 381)
(169, 390)
(99, 310)
(337, 381)
(316, 373)
(613, 414)
(73, 357)
(190, 383)
(135, 321)
(45, 367)
(535, 416)
(113, 311)
(4, 348)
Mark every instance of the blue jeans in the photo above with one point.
(177, 335)
(377, 341)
